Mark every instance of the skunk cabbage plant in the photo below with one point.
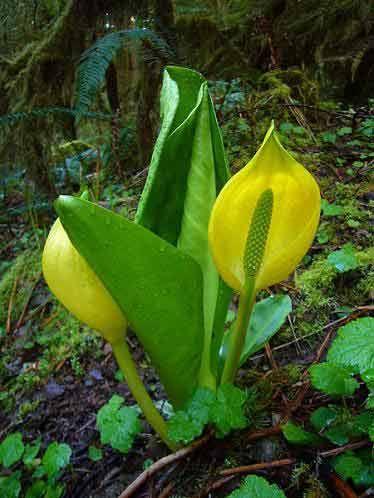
(159, 271)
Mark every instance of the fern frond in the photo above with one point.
(95, 61)
(44, 112)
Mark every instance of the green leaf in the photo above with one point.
(345, 259)
(187, 171)
(345, 130)
(257, 487)
(354, 346)
(95, 454)
(31, 451)
(11, 449)
(356, 466)
(329, 137)
(225, 409)
(331, 209)
(56, 457)
(10, 487)
(37, 490)
(158, 288)
(267, 318)
(228, 411)
(297, 435)
(323, 417)
(333, 380)
(118, 425)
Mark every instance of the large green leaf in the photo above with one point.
(158, 287)
(267, 318)
(187, 171)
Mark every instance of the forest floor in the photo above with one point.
(55, 374)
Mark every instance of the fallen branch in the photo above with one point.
(246, 469)
(160, 464)
(342, 449)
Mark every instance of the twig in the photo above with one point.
(167, 460)
(166, 492)
(216, 485)
(343, 489)
(342, 449)
(271, 431)
(246, 469)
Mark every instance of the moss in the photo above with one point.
(317, 284)
(26, 270)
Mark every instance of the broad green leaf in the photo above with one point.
(257, 487)
(56, 457)
(345, 259)
(31, 451)
(10, 487)
(267, 318)
(158, 288)
(323, 417)
(188, 169)
(297, 435)
(333, 380)
(118, 425)
(354, 346)
(11, 449)
(37, 490)
(331, 209)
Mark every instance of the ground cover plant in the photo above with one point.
(201, 326)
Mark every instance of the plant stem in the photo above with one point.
(246, 302)
(136, 386)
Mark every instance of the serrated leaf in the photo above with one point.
(331, 209)
(188, 424)
(333, 380)
(228, 411)
(11, 449)
(345, 259)
(31, 451)
(118, 425)
(257, 487)
(348, 465)
(225, 409)
(158, 288)
(267, 318)
(56, 457)
(297, 435)
(323, 417)
(10, 487)
(354, 346)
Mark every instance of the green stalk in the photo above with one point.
(136, 386)
(237, 340)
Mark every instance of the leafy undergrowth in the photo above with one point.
(62, 398)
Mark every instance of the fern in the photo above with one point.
(43, 112)
(95, 61)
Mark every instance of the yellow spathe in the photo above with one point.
(295, 215)
(78, 288)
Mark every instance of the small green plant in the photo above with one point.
(33, 475)
(351, 355)
(257, 487)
